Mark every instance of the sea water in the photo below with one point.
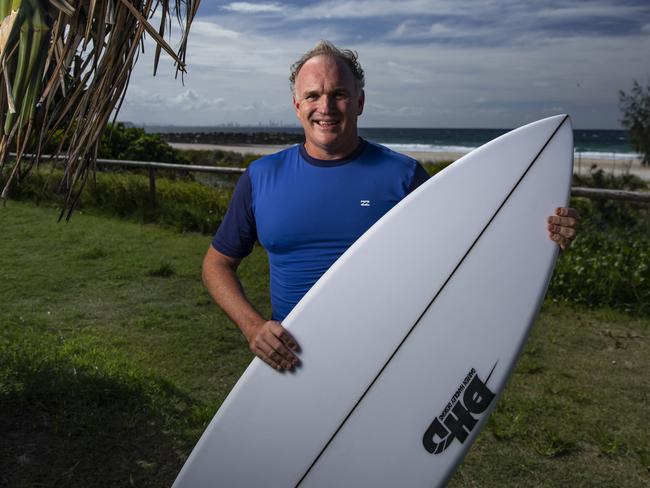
(592, 144)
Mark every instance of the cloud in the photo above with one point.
(428, 63)
(253, 8)
(407, 73)
(474, 22)
(336, 9)
(584, 10)
(187, 100)
(477, 9)
(440, 29)
(204, 28)
(418, 30)
(191, 100)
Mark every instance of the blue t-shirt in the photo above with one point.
(307, 212)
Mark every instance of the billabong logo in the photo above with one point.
(365, 203)
(456, 420)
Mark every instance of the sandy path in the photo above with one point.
(581, 165)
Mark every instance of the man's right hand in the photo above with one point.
(267, 339)
(274, 345)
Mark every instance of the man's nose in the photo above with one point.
(326, 103)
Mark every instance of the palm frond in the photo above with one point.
(66, 65)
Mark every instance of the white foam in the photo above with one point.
(609, 156)
(434, 148)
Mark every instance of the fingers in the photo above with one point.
(561, 226)
(564, 217)
(273, 344)
(566, 212)
(563, 221)
(568, 232)
(562, 241)
(283, 334)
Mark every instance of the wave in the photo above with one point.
(428, 148)
(435, 148)
(617, 156)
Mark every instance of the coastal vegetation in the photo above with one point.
(635, 106)
(113, 358)
(243, 137)
(66, 67)
(121, 141)
(184, 205)
(608, 265)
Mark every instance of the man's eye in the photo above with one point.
(341, 96)
(311, 97)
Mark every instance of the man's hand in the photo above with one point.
(266, 339)
(274, 345)
(561, 226)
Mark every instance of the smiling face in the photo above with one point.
(328, 101)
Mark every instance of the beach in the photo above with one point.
(582, 165)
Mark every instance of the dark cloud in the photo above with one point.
(444, 63)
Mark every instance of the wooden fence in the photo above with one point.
(153, 167)
(576, 191)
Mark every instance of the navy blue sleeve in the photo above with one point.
(419, 177)
(237, 233)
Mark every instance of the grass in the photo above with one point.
(113, 359)
(608, 264)
(575, 411)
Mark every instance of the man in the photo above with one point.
(297, 202)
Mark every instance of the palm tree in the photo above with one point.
(65, 69)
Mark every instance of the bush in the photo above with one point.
(608, 264)
(605, 270)
(185, 206)
(433, 167)
(131, 143)
(635, 106)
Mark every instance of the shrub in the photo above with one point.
(185, 206)
(605, 270)
(609, 263)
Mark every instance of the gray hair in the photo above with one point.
(326, 48)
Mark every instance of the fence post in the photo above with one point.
(152, 188)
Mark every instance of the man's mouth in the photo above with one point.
(326, 123)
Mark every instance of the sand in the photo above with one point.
(581, 165)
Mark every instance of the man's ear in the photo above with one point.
(362, 101)
(296, 105)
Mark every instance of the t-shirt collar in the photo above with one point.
(334, 162)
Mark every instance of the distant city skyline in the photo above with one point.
(461, 64)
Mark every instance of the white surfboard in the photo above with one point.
(409, 337)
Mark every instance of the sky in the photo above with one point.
(428, 63)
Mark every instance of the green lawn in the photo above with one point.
(113, 359)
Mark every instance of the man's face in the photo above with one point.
(327, 103)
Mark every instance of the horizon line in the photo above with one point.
(273, 126)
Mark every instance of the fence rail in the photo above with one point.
(173, 167)
(576, 191)
(603, 194)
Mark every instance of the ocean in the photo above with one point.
(595, 144)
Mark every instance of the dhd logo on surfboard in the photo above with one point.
(459, 416)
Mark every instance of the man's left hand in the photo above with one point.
(562, 226)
